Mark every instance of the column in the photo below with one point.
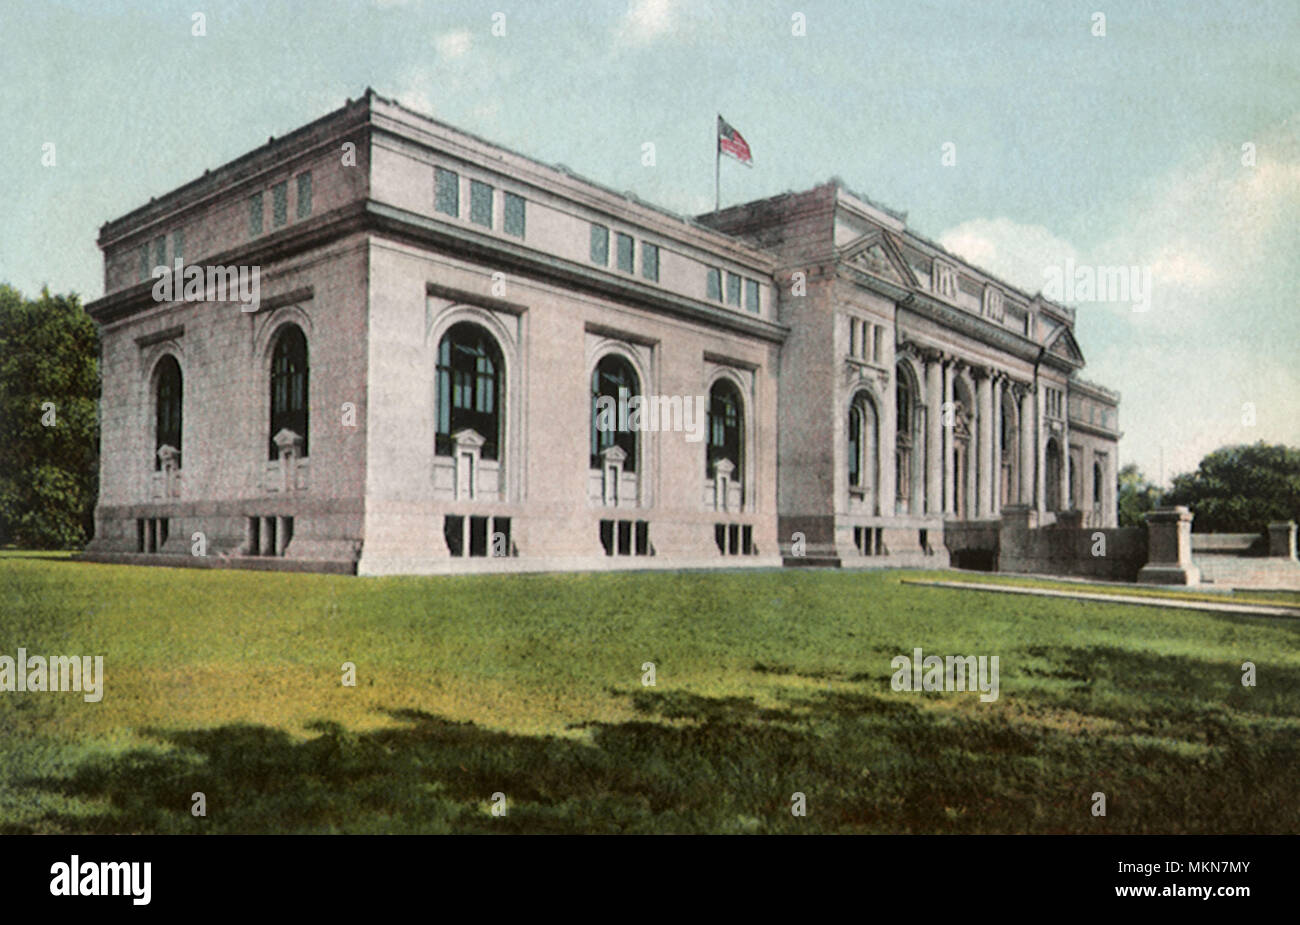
(886, 427)
(1040, 454)
(984, 477)
(934, 433)
(995, 497)
(949, 444)
(1027, 467)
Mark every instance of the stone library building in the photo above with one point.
(380, 345)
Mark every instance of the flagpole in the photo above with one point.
(717, 167)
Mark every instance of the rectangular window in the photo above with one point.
(625, 537)
(876, 340)
(453, 531)
(145, 269)
(280, 203)
(733, 289)
(160, 251)
(478, 536)
(626, 250)
(500, 536)
(255, 214)
(642, 538)
(751, 296)
(514, 217)
(304, 194)
(853, 337)
(446, 195)
(715, 284)
(480, 203)
(600, 245)
(650, 261)
(178, 244)
(607, 536)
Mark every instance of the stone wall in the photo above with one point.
(1110, 553)
(972, 544)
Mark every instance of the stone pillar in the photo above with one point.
(1169, 548)
(934, 433)
(949, 444)
(1281, 539)
(1019, 517)
(267, 537)
(1027, 467)
(886, 427)
(995, 471)
(984, 444)
(1040, 454)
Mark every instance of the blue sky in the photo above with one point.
(1122, 149)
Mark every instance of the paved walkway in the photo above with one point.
(1257, 610)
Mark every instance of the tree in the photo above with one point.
(1135, 497)
(1240, 489)
(49, 426)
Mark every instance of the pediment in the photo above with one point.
(876, 254)
(1063, 344)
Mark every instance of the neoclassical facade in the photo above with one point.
(917, 391)
(458, 358)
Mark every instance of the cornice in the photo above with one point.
(368, 216)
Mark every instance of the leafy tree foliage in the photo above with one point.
(1136, 496)
(49, 426)
(1239, 489)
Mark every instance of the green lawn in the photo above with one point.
(768, 683)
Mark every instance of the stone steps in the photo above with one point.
(1249, 571)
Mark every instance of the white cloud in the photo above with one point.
(413, 90)
(646, 20)
(1014, 252)
(1218, 237)
(453, 45)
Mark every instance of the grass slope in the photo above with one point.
(768, 683)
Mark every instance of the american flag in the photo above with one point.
(732, 142)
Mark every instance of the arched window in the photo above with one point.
(288, 387)
(168, 392)
(1052, 477)
(613, 384)
(904, 423)
(726, 429)
(863, 435)
(469, 387)
(1010, 443)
